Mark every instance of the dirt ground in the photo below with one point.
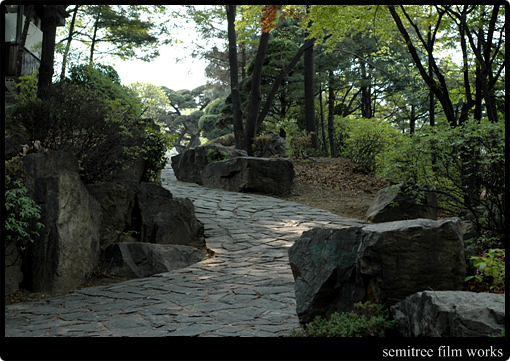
(334, 185)
(330, 184)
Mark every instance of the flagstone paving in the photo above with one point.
(245, 290)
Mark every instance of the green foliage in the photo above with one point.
(214, 155)
(502, 334)
(155, 101)
(104, 80)
(367, 320)
(365, 139)
(156, 144)
(27, 87)
(227, 140)
(301, 147)
(66, 110)
(20, 212)
(490, 268)
(465, 165)
(122, 30)
(78, 119)
(207, 123)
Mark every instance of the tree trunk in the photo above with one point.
(331, 115)
(68, 45)
(234, 78)
(50, 21)
(366, 93)
(324, 142)
(94, 36)
(276, 84)
(310, 123)
(243, 61)
(412, 121)
(21, 47)
(250, 130)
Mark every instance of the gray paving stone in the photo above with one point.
(245, 290)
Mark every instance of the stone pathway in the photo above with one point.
(245, 290)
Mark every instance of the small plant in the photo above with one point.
(490, 269)
(20, 211)
(214, 155)
(27, 87)
(367, 320)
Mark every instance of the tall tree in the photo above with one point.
(182, 118)
(256, 112)
(234, 78)
(68, 44)
(120, 30)
(440, 90)
(486, 52)
(51, 19)
(310, 122)
(331, 115)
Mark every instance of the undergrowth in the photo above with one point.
(367, 320)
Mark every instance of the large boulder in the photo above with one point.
(403, 201)
(336, 267)
(117, 201)
(450, 314)
(266, 175)
(167, 220)
(132, 260)
(68, 246)
(188, 165)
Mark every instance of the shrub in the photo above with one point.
(76, 119)
(21, 213)
(227, 140)
(490, 269)
(156, 144)
(214, 155)
(367, 320)
(465, 165)
(208, 122)
(362, 140)
(100, 78)
(27, 87)
(301, 147)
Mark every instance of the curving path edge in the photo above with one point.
(245, 290)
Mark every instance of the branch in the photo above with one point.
(368, 62)
(274, 89)
(443, 97)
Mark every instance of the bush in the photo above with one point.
(76, 119)
(302, 147)
(208, 122)
(367, 320)
(214, 155)
(21, 213)
(362, 140)
(156, 144)
(465, 165)
(228, 140)
(97, 119)
(490, 270)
